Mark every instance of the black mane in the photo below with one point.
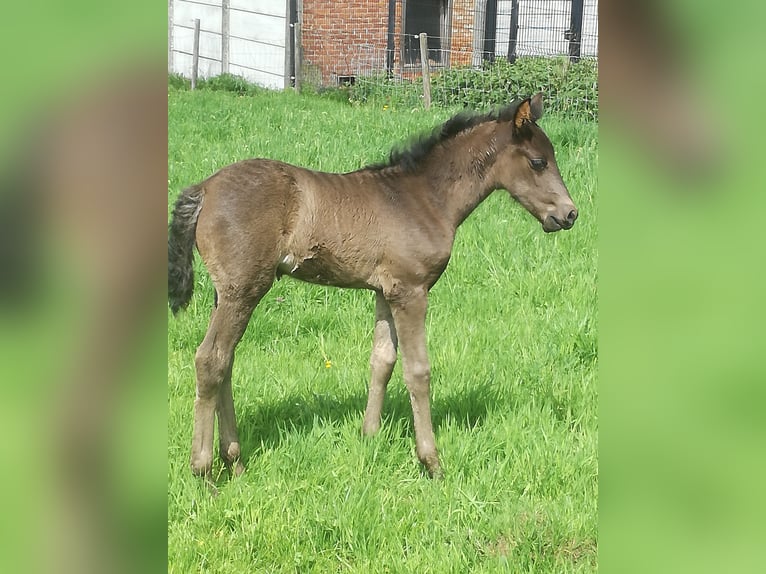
(409, 156)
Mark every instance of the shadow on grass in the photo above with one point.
(263, 427)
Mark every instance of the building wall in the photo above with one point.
(343, 38)
(255, 41)
(350, 38)
(461, 44)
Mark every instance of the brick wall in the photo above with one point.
(350, 37)
(461, 44)
(340, 38)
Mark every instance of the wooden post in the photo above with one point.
(225, 19)
(195, 55)
(426, 70)
(288, 69)
(171, 69)
(298, 55)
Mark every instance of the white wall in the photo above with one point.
(542, 24)
(256, 43)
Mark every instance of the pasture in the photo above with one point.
(512, 343)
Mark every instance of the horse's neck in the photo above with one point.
(460, 172)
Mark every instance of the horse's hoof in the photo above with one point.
(370, 429)
(202, 468)
(237, 469)
(433, 467)
(436, 473)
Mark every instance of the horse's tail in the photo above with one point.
(181, 240)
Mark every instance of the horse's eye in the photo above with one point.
(538, 164)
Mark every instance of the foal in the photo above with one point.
(388, 228)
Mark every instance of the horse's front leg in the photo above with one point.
(409, 312)
(382, 361)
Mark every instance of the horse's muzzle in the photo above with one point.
(553, 223)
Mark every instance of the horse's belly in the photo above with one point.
(324, 269)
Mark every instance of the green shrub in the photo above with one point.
(230, 83)
(570, 88)
(380, 89)
(178, 82)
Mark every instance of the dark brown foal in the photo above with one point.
(388, 228)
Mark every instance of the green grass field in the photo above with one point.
(512, 341)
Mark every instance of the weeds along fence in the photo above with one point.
(471, 53)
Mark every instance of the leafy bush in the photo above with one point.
(230, 83)
(380, 89)
(570, 88)
(178, 82)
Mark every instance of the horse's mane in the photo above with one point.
(409, 156)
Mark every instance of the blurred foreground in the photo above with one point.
(682, 278)
(83, 176)
(681, 284)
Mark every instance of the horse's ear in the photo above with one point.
(536, 106)
(530, 110)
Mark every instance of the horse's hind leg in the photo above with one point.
(228, 437)
(213, 362)
(382, 361)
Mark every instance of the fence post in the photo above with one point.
(513, 33)
(574, 34)
(298, 55)
(195, 55)
(479, 15)
(490, 30)
(225, 36)
(426, 70)
(390, 38)
(170, 37)
(288, 52)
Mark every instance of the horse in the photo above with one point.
(387, 227)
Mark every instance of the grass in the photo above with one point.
(512, 340)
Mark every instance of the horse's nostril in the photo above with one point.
(572, 216)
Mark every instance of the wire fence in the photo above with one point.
(477, 52)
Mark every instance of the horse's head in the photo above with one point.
(526, 167)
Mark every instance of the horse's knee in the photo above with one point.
(418, 379)
(383, 357)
